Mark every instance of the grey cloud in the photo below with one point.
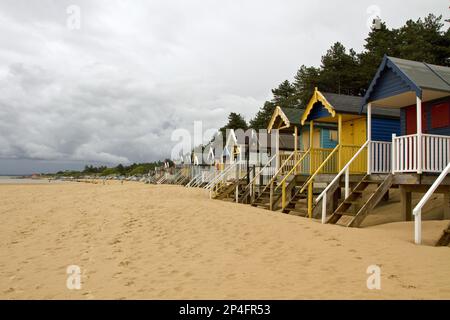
(115, 90)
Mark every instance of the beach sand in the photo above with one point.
(137, 241)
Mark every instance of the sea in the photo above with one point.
(25, 180)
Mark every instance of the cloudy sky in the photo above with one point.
(115, 89)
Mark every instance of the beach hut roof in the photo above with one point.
(289, 117)
(343, 104)
(397, 77)
(352, 105)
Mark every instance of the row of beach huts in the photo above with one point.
(336, 159)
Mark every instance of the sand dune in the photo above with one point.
(167, 242)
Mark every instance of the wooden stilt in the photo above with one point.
(386, 197)
(447, 206)
(406, 203)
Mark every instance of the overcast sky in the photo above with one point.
(115, 89)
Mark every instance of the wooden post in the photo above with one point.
(311, 140)
(271, 197)
(340, 141)
(277, 148)
(446, 205)
(393, 154)
(324, 208)
(406, 203)
(295, 147)
(369, 138)
(310, 199)
(347, 183)
(419, 135)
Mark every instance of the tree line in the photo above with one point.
(344, 71)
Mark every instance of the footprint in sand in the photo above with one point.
(10, 290)
(124, 263)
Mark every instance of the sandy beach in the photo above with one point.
(137, 241)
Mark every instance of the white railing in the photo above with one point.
(434, 156)
(436, 152)
(193, 181)
(405, 152)
(418, 209)
(345, 170)
(228, 173)
(265, 174)
(380, 157)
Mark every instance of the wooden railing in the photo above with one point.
(347, 153)
(287, 160)
(264, 174)
(406, 153)
(418, 209)
(345, 170)
(278, 172)
(318, 157)
(436, 152)
(434, 155)
(331, 158)
(380, 157)
(299, 164)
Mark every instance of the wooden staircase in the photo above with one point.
(294, 206)
(445, 238)
(263, 199)
(362, 200)
(228, 191)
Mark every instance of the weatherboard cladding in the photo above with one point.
(427, 125)
(325, 139)
(389, 84)
(382, 129)
(395, 76)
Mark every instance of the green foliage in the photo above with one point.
(262, 118)
(347, 72)
(235, 121)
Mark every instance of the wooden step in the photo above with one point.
(352, 202)
(365, 209)
(373, 200)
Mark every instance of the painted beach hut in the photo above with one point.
(293, 138)
(321, 165)
(344, 111)
(421, 150)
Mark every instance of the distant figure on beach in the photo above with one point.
(121, 181)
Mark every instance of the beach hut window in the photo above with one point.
(333, 135)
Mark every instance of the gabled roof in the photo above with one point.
(290, 116)
(409, 76)
(317, 97)
(344, 104)
(424, 75)
(352, 105)
(293, 115)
